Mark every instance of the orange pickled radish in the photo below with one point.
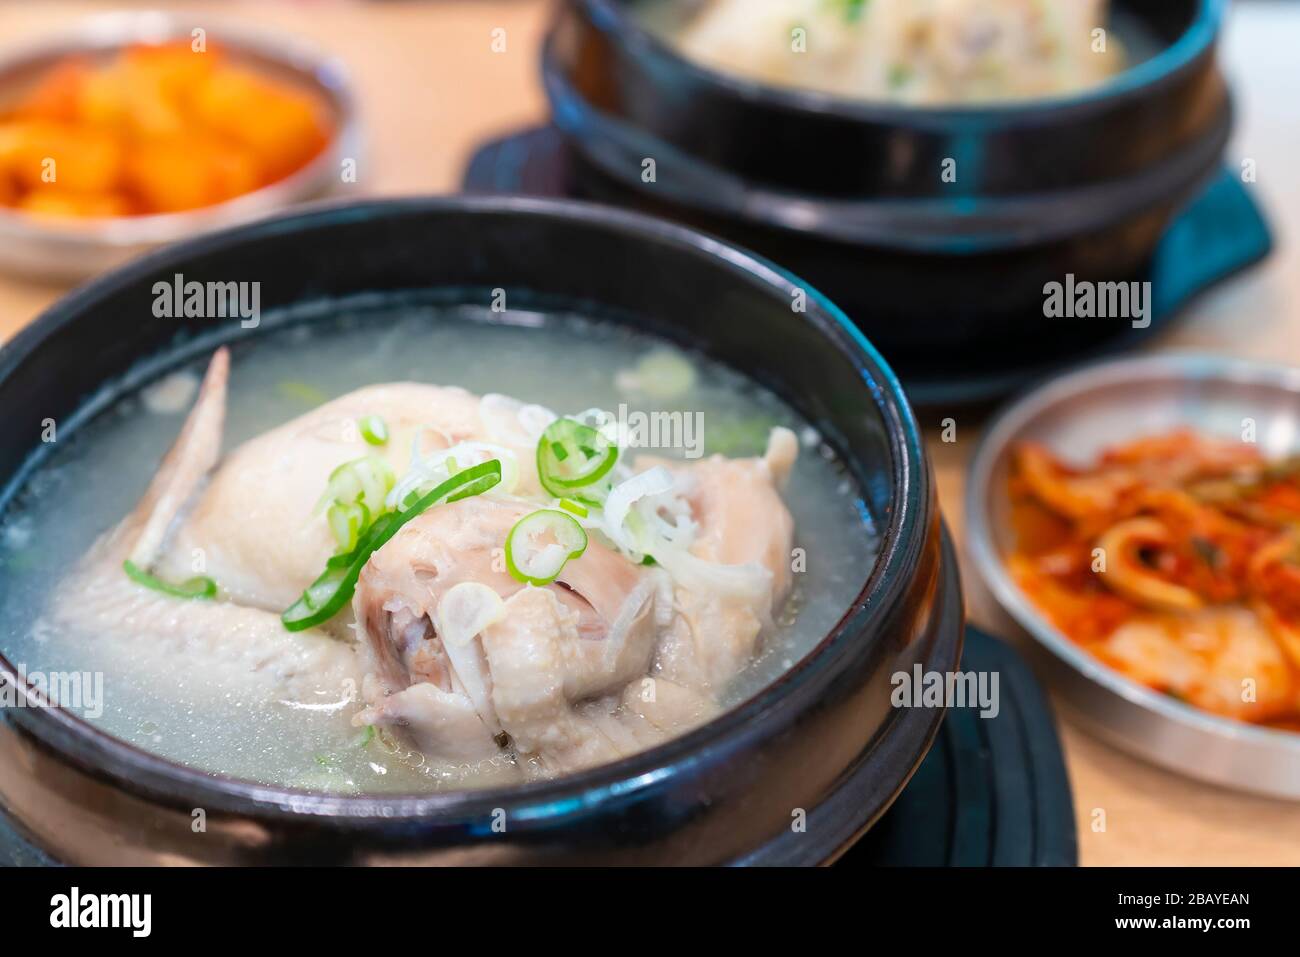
(153, 129)
(186, 172)
(284, 127)
(66, 203)
(45, 153)
(57, 94)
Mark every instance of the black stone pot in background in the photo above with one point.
(849, 194)
(823, 737)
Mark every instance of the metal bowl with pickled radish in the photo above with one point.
(135, 129)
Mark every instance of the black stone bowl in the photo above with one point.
(823, 738)
(850, 194)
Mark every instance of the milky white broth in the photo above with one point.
(95, 475)
(879, 53)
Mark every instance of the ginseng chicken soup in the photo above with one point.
(914, 52)
(408, 549)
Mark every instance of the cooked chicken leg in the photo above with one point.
(745, 536)
(456, 656)
(274, 482)
(605, 602)
(232, 644)
(564, 672)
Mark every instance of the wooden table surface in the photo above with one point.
(431, 88)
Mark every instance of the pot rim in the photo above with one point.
(613, 18)
(926, 225)
(961, 224)
(902, 544)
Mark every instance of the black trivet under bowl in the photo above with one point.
(1218, 234)
(992, 791)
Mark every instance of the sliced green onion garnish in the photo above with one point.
(594, 497)
(198, 587)
(664, 374)
(302, 392)
(541, 543)
(347, 522)
(366, 481)
(577, 508)
(571, 455)
(737, 437)
(333, 589)
(852, 9)
(373, 429)
(899, 74)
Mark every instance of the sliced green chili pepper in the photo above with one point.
(198, 587)
(327, 595)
